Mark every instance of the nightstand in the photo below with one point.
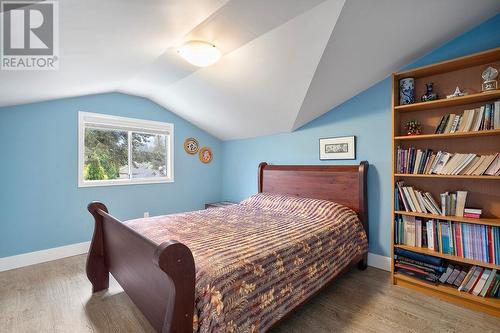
(219, 204)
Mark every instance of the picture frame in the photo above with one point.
(337, 148)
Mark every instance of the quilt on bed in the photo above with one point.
(257, 260)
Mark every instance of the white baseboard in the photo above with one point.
(37, 257)
(378, 261)
(31, 258)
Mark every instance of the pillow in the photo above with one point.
(296, 205)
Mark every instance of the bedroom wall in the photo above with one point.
(42, 207)
(368, 117)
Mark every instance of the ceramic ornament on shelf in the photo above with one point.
(406, 91)
(205, 155)
(457, 93)
(429, 95)
(413, 127)
(489, 76)
(191, 146)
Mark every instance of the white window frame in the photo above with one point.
(127, 124)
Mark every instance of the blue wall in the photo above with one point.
(368, 116)
(41, 205)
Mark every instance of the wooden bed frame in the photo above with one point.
(160, 279)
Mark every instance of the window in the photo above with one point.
(118, 151)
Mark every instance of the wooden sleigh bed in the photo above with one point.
(160, 279)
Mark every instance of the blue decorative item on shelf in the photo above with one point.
(406, 91)
(429, 95)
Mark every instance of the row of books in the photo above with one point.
(418, 265)
(465, 240)
(425, 161)
(478, 281)
(414, 200)
(486, 117)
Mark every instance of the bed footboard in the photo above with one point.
(160, 279)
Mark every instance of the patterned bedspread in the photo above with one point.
(257, 260)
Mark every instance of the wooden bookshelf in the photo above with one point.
(483, 191)
(483, 177)
(443, 103)
(450, 294)
(448, 135)
(486, 221)
(426, 251)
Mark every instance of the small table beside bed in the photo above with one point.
(241, 267)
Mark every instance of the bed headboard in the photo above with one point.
(344, 184)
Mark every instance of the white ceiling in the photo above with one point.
(285, 62)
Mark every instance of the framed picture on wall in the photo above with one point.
(339, 148)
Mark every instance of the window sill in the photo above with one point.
(124, 182)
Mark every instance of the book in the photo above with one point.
(487, 117)
(467, 278)
(460, 206)
(496, 287)
(478, 119)
(408, 261)
(430, 234)
(421, 276)
(449, 123)
(446, 274)
(419, 257)
(473, 210)
(460, 278)
(488, 160)
(481, 282)
(456, 122)
(418, 232)
(409, 230)
(496, 115)
(453, 204)
(474, 278)
(444, 207)
(488, 283)
(453, 276)
(442, 124)
(494, 167)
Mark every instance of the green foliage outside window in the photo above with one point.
(106, 154)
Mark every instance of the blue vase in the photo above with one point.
(406, 91)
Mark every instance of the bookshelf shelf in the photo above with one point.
(483, 191)
(448, 135)
(448, 293)
(426, 251)
(447, 176)
(444, 103)
(486, 221)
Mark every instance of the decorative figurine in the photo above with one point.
(430, 95)
(406, 91)
(457, 93)
(413, 127)
(489, 75)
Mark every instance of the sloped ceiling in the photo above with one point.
(285, 62)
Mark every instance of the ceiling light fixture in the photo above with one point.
(199, 53)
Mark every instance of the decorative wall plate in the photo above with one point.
(205, 155)
(191, 146)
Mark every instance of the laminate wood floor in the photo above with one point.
(56, 297)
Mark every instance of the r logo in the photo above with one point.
(29, 34)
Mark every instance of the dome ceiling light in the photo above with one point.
(199, 53)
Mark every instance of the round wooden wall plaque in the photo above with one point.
(191, 146)
(205, 155)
